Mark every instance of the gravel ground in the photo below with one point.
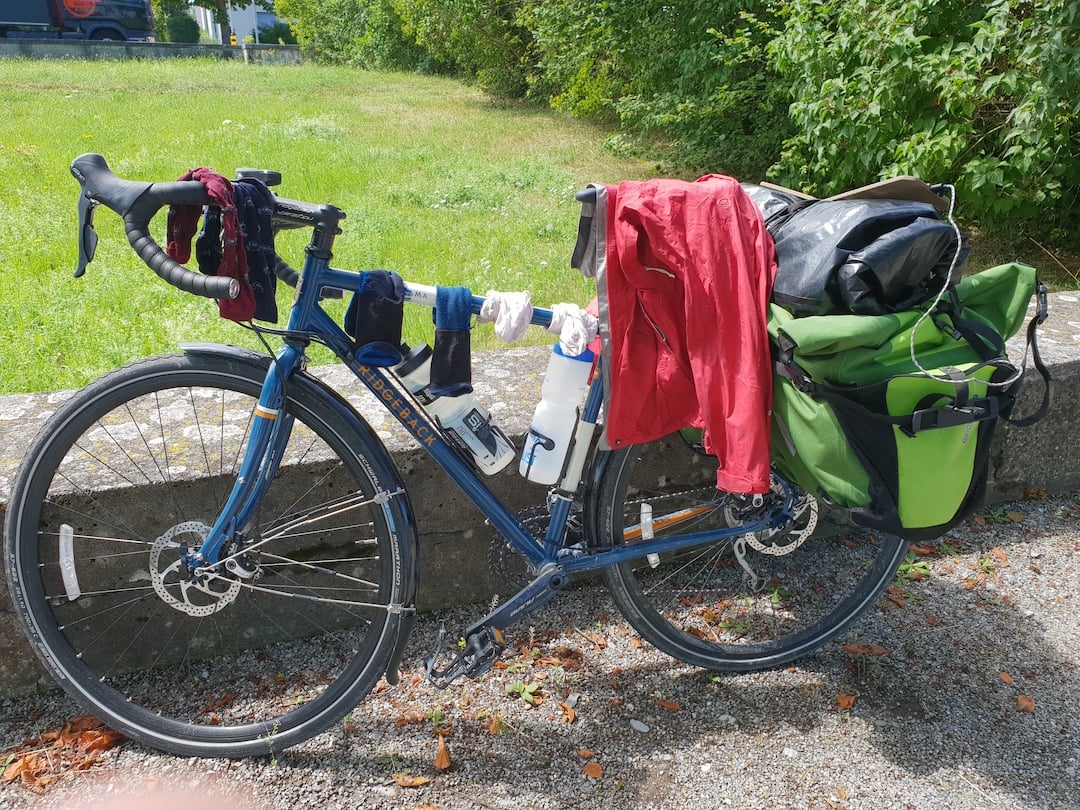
(974, 705)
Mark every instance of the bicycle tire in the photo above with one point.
(697, 604)
(138, 464)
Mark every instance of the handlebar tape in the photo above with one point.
(137, 203)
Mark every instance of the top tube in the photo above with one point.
(424, 295)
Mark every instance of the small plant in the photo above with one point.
(779, 594)
(912, 569)
(529, 692)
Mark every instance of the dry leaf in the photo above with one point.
(896, 599)
(635, 643)
(671, 706)
(844, 702)
(442, 758)
(585, 753)
(569, 715)
(593, 770)
(865, 649)
(598, 640)
(1007, 678)
(13, 771)
(219, 704)
(932, 619)
(1025, 704)
(407, 780)
(409, 719)
(998, 554)
(922, 551)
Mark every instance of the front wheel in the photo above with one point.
(702, 605)
(256, 655)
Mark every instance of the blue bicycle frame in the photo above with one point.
(550, 560)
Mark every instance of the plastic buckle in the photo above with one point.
(1043, 311)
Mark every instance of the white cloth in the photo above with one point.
(511, 313)
(575, 327)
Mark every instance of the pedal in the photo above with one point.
(481, 651)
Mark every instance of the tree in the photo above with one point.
(220, 9)
(164, 12)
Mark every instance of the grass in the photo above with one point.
(439, 184)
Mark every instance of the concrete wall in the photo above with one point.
(455, 542)
(87, 49)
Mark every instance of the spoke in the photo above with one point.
(285, 561)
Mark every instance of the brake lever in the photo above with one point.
(88, 238)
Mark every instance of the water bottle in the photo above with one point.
(556, 416)
(465, 423)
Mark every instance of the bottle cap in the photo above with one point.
(586, 356)
(414, 358)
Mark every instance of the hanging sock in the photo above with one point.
(575, 327)
(374, 317)
(182, 223)
(451, 356)
(511, 313)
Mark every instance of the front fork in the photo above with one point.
(269, 433)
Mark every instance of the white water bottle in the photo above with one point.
(465, 423)
(556, 416)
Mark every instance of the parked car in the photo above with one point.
(118, 20)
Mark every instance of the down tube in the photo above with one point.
(419, 426)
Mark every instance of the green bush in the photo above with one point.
(701, 100)
(182, 28)
(163, 10)
(279, 33)
(480, 40)
(986, 94)
(818, 94)
(365, 33)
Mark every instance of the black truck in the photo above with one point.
(119, 20)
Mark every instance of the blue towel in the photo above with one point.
(451, 358)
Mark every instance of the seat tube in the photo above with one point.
(563, 495)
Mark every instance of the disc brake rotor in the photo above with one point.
(201, 596)
(786, 537)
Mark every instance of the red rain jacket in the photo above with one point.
(690, 268)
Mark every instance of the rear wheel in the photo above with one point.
(254, 656)
(702, 605)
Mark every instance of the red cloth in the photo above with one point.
(690, 268)
(182, 222)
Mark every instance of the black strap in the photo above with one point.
(985, 342)
(776, 220)
(1040, 366)
(584, 233)
(924, 418)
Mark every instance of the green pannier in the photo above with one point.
(901, 448)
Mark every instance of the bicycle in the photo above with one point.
(267, 567)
